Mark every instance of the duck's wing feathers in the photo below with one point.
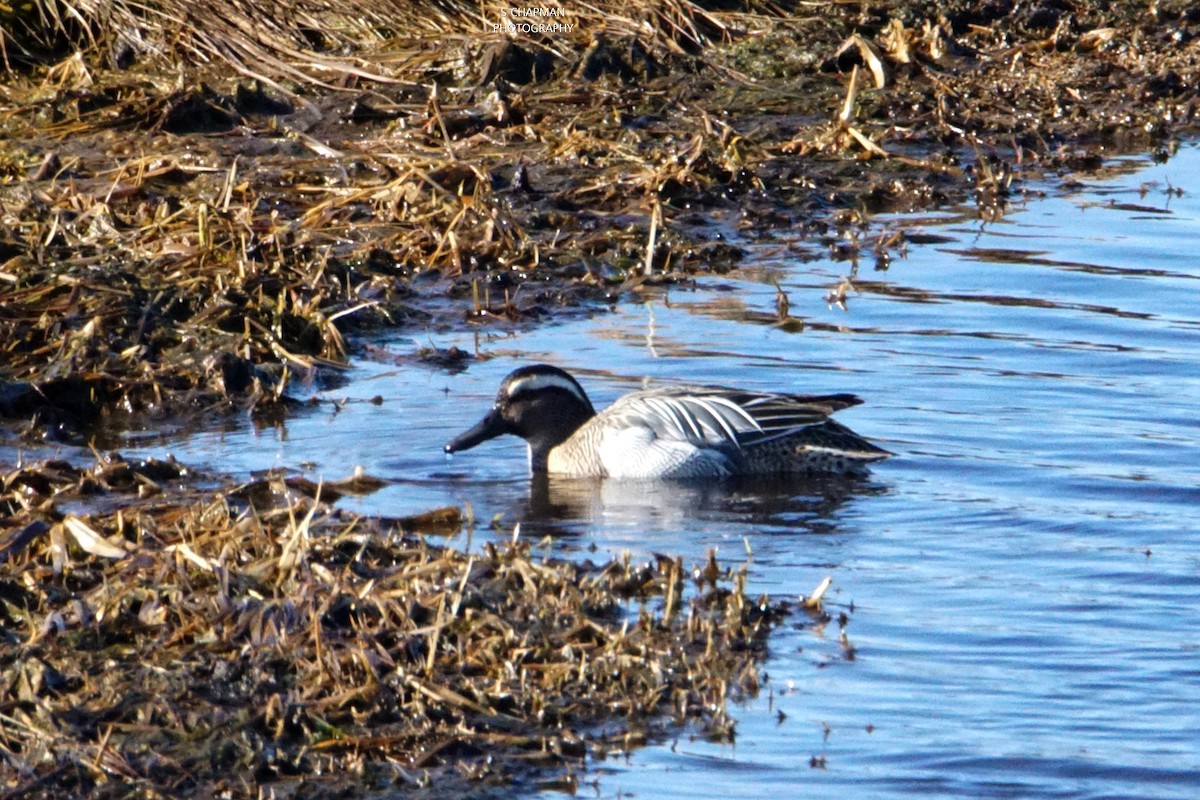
(725, 419)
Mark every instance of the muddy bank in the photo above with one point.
(254, 640)
(192, 227)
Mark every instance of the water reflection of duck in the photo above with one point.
(569, 507)
(670, 432)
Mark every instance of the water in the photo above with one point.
(1025, 574)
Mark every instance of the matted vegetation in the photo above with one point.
(258, 641)
(200, 199)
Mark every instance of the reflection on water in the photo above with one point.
(565, 506)
(1021, 579)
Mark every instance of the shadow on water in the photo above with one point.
(565, 507)
(570, 509)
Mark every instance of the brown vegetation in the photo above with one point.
(191, 644)
(200, 199)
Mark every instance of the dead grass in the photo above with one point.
(179, 234)
(324, 42)
(253, 640)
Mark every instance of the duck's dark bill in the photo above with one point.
(489, 427)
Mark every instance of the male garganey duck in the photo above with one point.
(670, 432)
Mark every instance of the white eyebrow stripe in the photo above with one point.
(536, 383)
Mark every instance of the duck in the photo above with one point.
(672, 431)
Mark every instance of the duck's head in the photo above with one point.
(540, 403)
